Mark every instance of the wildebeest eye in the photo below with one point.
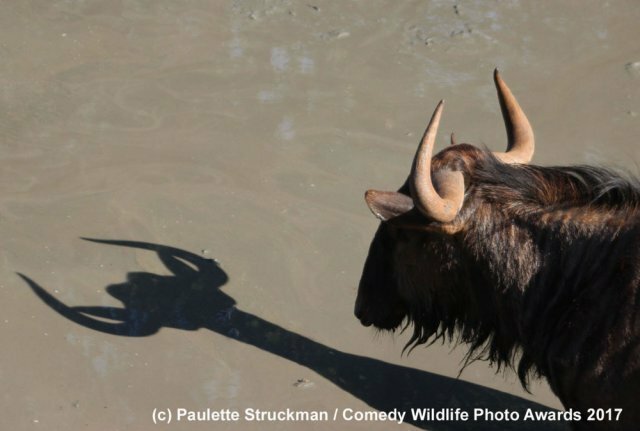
(399, 231)
(387, 235)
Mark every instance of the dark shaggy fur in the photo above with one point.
(523, 219)
(543, 275)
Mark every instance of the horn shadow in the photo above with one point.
(192, 298)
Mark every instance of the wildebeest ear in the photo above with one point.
(388, 205)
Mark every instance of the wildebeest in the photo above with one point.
(536, 268)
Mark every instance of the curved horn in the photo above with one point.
(440, 207)
(519, 133)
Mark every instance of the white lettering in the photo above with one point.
(495, 416)
(208, 415)
(288, 415)
(394, 415)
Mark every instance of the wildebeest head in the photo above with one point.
(526, 264)
(416, 254)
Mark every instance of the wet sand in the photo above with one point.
(176, 133)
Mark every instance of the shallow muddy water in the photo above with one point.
(176, 133)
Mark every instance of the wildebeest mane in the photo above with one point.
(502, 203)
(536, 269)
(545, 189)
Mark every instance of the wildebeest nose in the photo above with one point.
(358, 311)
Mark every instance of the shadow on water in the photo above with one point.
(191, 299)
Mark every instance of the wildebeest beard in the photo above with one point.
(536, 268)
(538, 255)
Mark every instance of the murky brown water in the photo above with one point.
(247, 132)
